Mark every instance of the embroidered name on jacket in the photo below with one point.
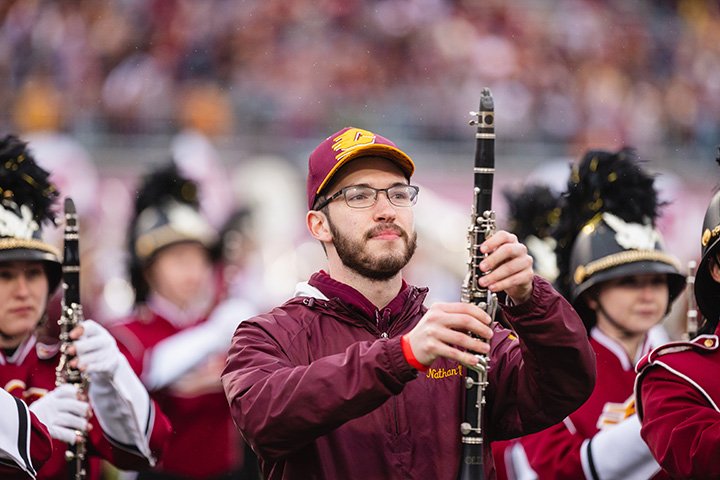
(440, 373)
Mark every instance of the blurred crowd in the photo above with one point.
(580, 71)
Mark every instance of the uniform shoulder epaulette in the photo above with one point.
(700, 344)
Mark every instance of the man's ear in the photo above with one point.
(317, 224)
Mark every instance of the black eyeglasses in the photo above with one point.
(363, 196)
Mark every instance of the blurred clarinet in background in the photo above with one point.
(72, 316)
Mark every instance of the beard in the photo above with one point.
(382, 266)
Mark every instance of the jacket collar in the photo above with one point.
(332, 289)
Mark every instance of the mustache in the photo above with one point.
(386, 227)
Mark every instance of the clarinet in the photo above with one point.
(482, 226)
(691, 320)
(72, 316)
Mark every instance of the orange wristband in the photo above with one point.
(409, 357)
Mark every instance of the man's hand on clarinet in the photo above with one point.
(509, 266)
(443, 332)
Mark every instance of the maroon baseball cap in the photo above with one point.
(346, 145)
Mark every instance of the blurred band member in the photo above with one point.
(174, 342)
(678, 391)
(121, 423)
(616, 274)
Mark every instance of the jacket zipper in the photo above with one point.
(382, 320)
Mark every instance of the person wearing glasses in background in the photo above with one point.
(354, 377)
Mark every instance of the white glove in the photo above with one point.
(62, 413)
(618, 452)
(97, 351)
(225, 318)
(120, 402)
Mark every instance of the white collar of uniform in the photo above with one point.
(617, 349)
(177, 316)
(20, 353)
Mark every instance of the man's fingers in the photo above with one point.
(467, 342)
(447, 311)
(512, 273)
(497, 239)
(442, 350)
(503, 254)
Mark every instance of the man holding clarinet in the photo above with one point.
(354, 377)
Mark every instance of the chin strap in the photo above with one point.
(624, 331)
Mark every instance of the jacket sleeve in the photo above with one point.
(544, 370)
(123, 403)
(613, 453)
(280, 406)
(680, 425)
(155, 432)
(25, 444)
(126, 456)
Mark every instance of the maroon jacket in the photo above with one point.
(678, 397)
(320, 389)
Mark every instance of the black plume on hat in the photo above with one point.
(163, 185)
(166, 212)
(602, 182)
(532, 210)
(533, 214)
(607, 225)
(24, 182)
(27, 198)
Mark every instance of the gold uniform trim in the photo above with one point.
(709, 234)
(621, 258)
(149, 243)
(12, 243)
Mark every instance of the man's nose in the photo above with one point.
(383, 207)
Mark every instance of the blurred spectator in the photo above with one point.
(567, 71)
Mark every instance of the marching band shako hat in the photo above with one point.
(607, 228)
(342, 147)
(166, 213)
(26, 201)
(707, 290)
